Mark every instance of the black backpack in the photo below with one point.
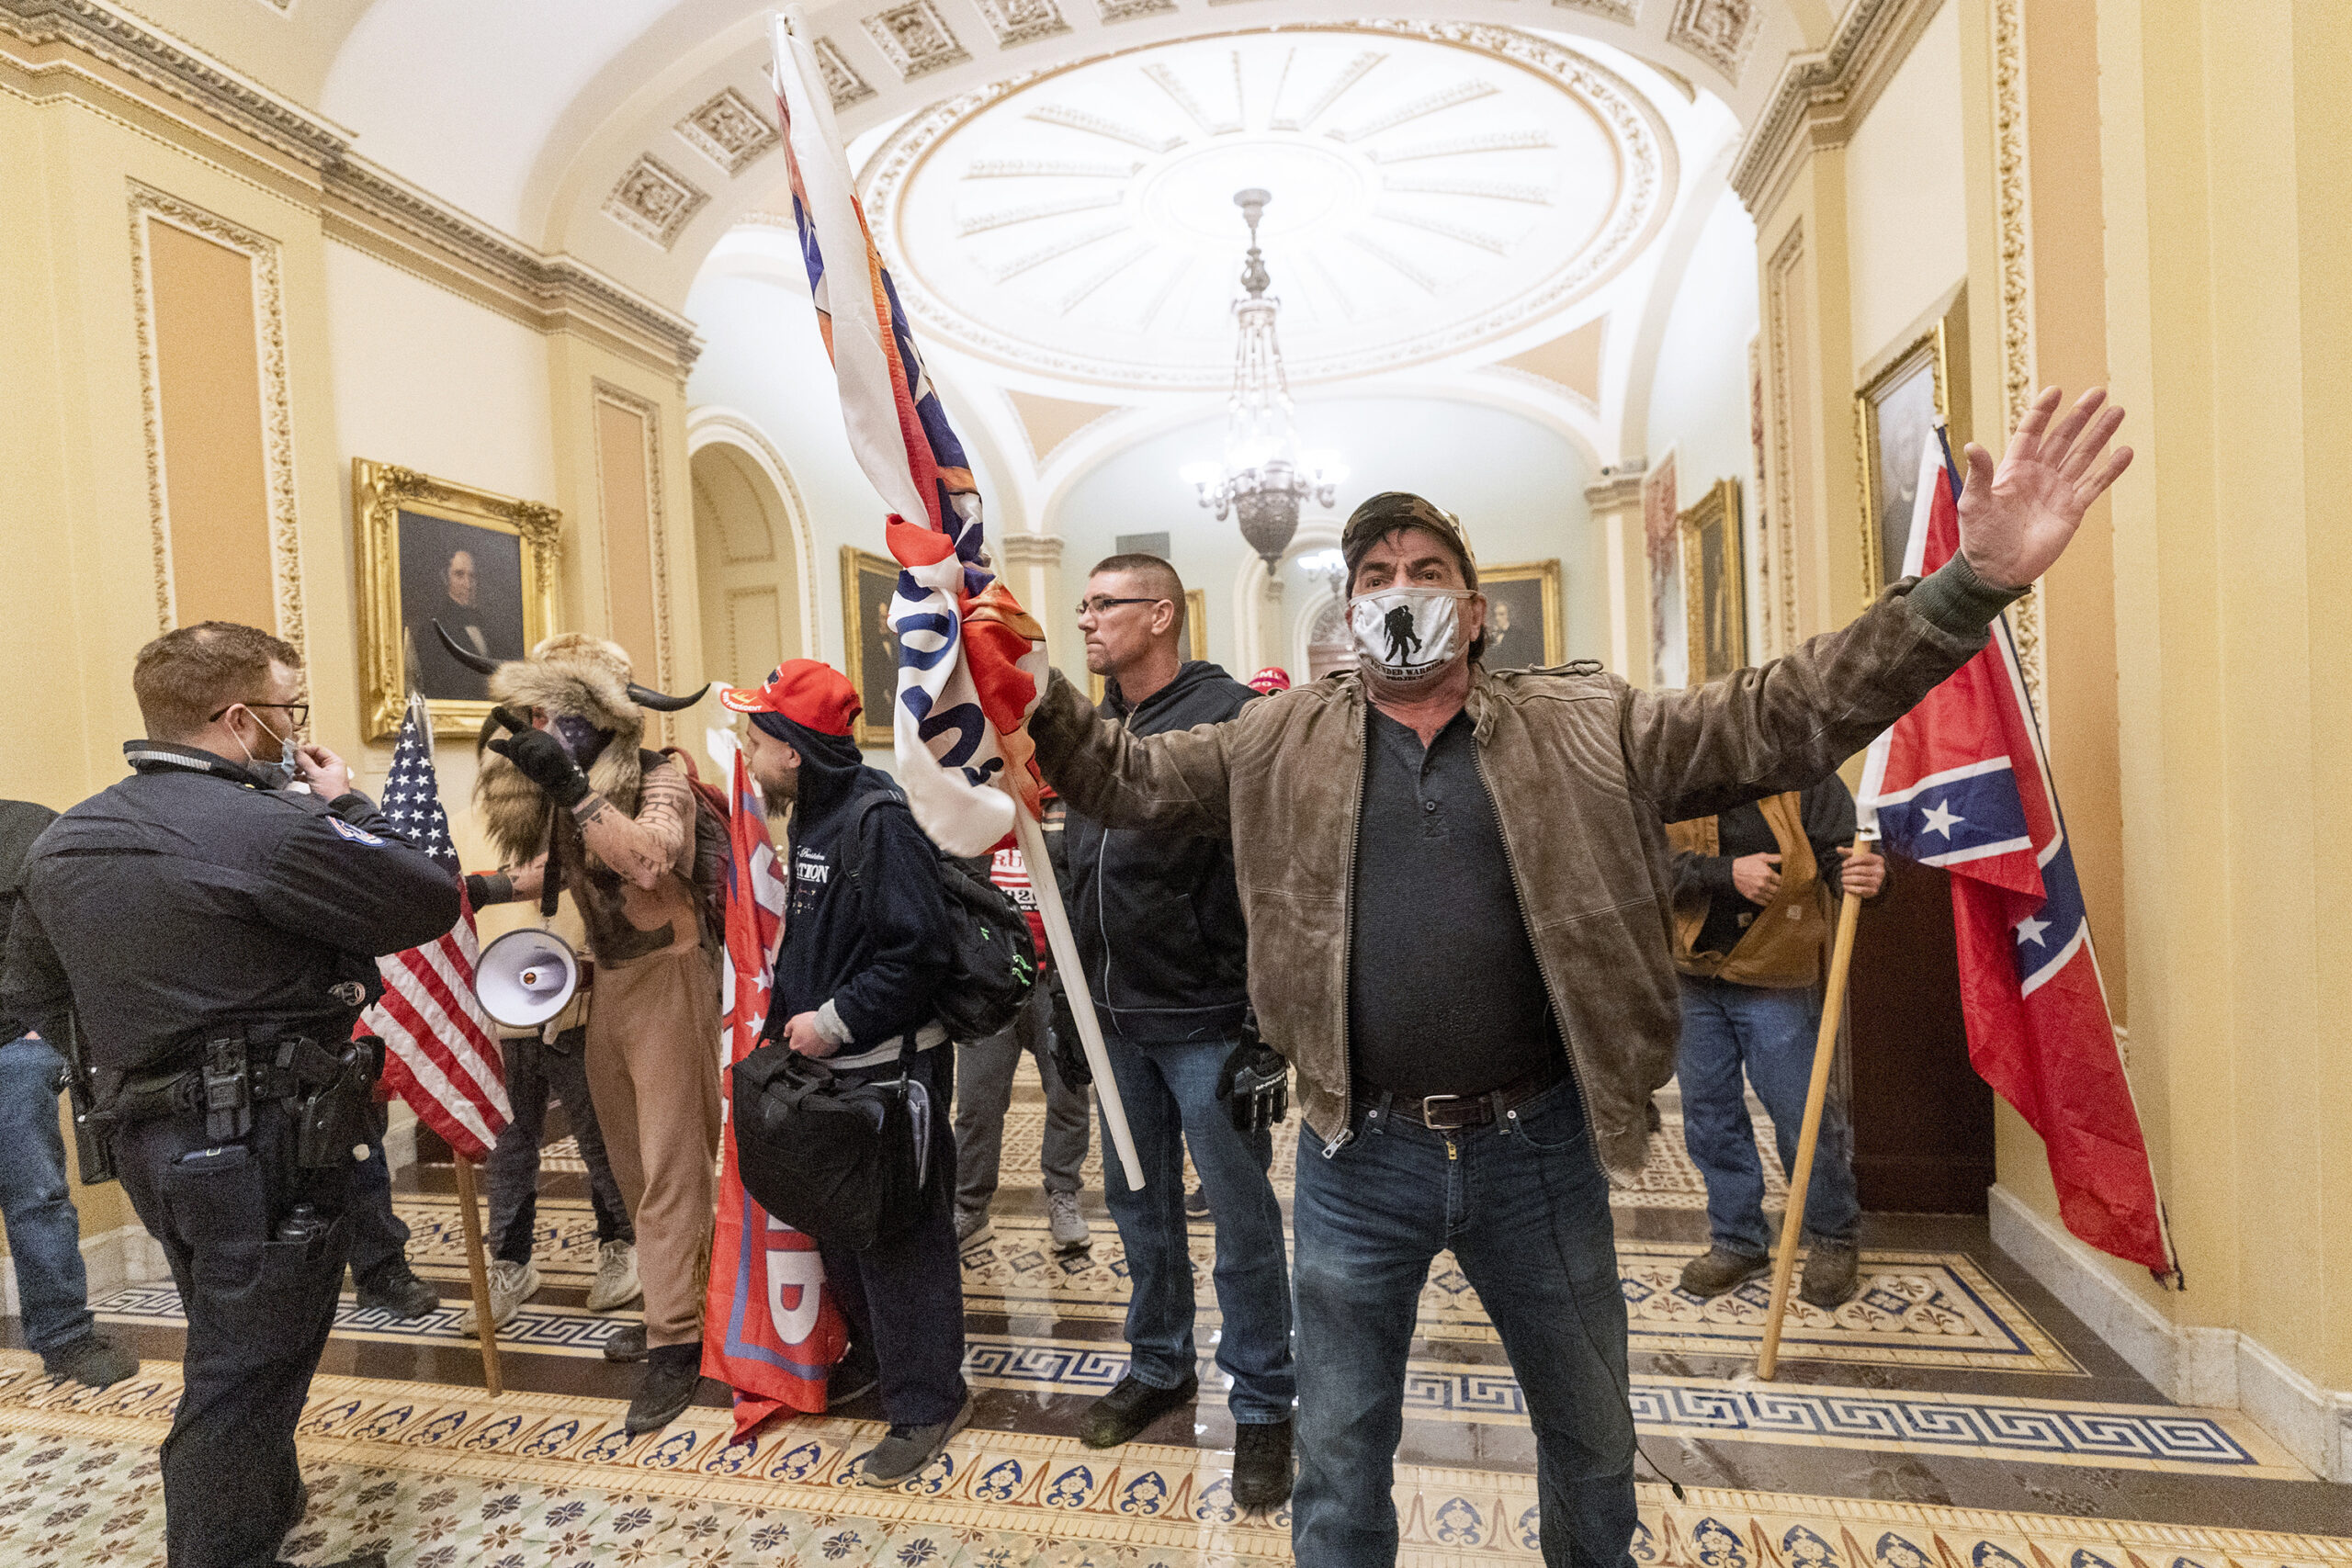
(992, 964)
(838, 1163)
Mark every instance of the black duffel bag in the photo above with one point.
(835, 1160)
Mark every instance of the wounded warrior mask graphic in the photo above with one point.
(1406, 632)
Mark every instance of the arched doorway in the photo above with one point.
(750, 550)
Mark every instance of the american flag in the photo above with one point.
(441, 1055)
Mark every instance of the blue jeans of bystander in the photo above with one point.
(44, 1232)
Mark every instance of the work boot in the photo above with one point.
(908, 1450)
(673, 1374)
(627, 1343)
(616, 1282)
(1128, 1408)
(93, 1360)
(1720, 1269)
(511, 1284)
(1196, 1204)
(1068, 1226)
(1261, 1464)
(394, 1290)
(852, 1377)
(973, 1226)
(1833, 1273)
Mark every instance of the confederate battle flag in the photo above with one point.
(1962, 781)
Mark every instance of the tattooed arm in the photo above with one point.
(658, 839)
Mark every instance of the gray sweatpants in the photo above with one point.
(984, 1071)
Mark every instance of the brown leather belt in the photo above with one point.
(1459, 1113)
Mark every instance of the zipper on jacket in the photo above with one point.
(1559, 1015)
(1348, 943)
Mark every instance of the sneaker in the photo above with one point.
(627, 1343)
(1128, 1408)
(1196, 1204)
(395, 1289)
(673, 1374)
(616, 1282)
(511, 1284)
(1833, 1273)
(1067, 1223)
(973, 1226)
(1720, 1269)
(908, 1450)
(1261, 1464)
(92, 1360)
(852, 1377)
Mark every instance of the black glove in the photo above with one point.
(1069, 1052)
(544, 761)
(1254, 1083)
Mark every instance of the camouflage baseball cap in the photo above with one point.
(1394, 509)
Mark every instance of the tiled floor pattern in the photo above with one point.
(440, 1477)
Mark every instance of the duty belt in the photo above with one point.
(235, 1076)
(1458, 1113)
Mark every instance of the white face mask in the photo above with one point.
(1404, 633)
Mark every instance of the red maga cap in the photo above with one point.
(813, 694)
(1272, 677)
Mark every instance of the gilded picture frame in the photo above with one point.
(429, 550)
(870, 645)
(1903, 395)
(1515, 595)
(1191, 643)
(1714, 585)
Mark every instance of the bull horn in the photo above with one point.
(462, 654)
(646, 697)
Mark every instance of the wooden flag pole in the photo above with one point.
(1825, 1052)
(478, 1271)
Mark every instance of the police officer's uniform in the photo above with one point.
(214, 937)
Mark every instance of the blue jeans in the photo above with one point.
(1526, 1208)
(1169, 1092)
(379, 1235)
(44, 1232)
(1726, 1027)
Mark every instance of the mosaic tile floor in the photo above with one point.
(438, 1477)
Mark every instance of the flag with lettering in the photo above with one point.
(971, 662)
(440, 1049)
(1962, 781)
(770, 1330)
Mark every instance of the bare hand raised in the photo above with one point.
(2017, 519)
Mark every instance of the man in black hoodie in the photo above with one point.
(865, 945)
(1159, 929)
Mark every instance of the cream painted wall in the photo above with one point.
(1699, 400)
(1907, 212)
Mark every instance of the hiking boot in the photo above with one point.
(1833, 1273)
(673, 1374)
(852, 1377)
(1196, 1204)
(973, 1226)
(1261, 1464)
(627, 1343)
(907, 1452)
(511, 1284)
(395, 1291)
(1127, 1409)
(1719, 1269)
(616, 1282)
(1068, 1226)
(93, 1360)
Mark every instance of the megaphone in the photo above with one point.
(526, 977)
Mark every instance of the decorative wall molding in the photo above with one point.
(1822, 97)
(729, 131)
(657, 520)
(654, 200)
(1777, 615)
(714, 425)
(1720, 32)
(1022, 21)
(1030, 550)
(1128, 10)
(842, 84)
(916, 38)
(2017, 292)
(149, 206)
(1626, 11)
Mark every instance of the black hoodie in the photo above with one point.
(1156, 915)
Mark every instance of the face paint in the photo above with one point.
(581, 740)
(1404, 633)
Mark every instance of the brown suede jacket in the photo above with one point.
(1584, 770)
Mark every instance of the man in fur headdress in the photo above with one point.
(573, 793)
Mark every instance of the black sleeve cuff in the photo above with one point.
(1955, 600)
(352, 807)
(484, 890)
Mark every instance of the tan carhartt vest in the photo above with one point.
(1782, 947)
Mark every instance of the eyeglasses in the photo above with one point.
(1101, 603)
(302, 711)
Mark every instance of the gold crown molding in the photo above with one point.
(147, 206)
(2015, 293)
(1777, 557)
(657, 520)
(1822, 97)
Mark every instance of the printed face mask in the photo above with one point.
(1404, 633)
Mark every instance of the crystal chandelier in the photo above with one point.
(1264, 476)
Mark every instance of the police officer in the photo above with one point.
(211, 931)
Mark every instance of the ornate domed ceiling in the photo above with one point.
(1435, 186)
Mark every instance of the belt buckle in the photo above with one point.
(1430, 1120)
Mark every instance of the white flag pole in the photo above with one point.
(1064, 947)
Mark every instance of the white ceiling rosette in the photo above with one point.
(1436, 187)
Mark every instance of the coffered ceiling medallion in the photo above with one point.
(1436, 186)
